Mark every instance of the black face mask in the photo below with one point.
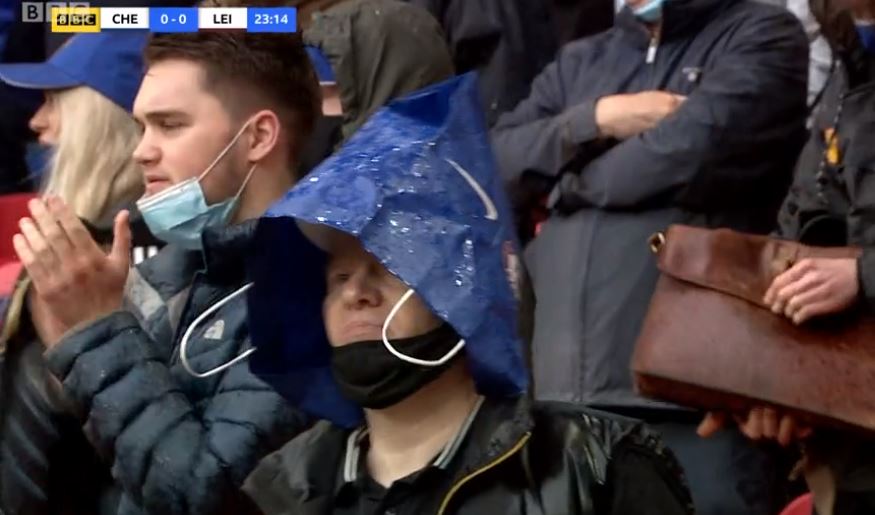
(372, 377)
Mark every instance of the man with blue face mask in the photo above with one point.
(686, 111)
(151, 357)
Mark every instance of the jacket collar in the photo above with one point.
(303, 477)
(225, 249)
(500, 425)
(353, 455)
(680, 18)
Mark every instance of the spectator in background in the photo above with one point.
(89, 89)
(309, 10)
(327, 133)
(397, 217)
(575, 19)
(508, 42)
(151, 357)
(22, 161)
(48, 466)
(24, 43)
(820, 55)
(685, 112)
(831, 202)
(353, 38)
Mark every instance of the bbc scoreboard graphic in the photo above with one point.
(76, 17)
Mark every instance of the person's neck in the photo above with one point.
(268, 184)
(406, 437)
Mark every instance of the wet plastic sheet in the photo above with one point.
(418, 186)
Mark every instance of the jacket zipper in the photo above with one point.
(652, 49)
(494, 463)
(180, 330)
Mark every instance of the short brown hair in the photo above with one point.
(251, 71)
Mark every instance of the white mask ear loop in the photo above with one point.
(425, 363)
(223, 152)
(246, 180)
(183, 345)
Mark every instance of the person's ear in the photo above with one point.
(264, 134)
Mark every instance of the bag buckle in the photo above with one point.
(657, 241)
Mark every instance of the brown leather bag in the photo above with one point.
(710, 342)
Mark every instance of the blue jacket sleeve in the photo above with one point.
(171, 456)
(750, 105)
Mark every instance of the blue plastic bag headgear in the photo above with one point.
(417, 185)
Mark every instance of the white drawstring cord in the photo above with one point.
(425, 363)
(197, 321)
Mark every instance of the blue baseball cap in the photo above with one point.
(321, 65)
(110, 63)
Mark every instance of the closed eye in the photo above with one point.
(337, 279)
(166, 121)
(169, 125)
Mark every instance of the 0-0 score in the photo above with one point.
(166, 19)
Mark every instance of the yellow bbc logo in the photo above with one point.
(75, 19)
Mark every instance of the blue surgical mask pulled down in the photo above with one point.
(866, 32)
(650, 11)
(180, 214)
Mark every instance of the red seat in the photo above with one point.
(801, 506)
(9, 273)
(12, 209)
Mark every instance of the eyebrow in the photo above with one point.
(155, 116)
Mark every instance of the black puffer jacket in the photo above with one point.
(547, 460)
(46, 464)
(177, 444)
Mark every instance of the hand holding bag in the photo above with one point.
(710, 342)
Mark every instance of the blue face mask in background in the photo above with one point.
(866, 32)
(179, 215)
(37, 157)
(650, 12)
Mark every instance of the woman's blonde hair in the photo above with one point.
(92, 167)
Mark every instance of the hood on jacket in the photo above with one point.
(417, 185)
(379, 50)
